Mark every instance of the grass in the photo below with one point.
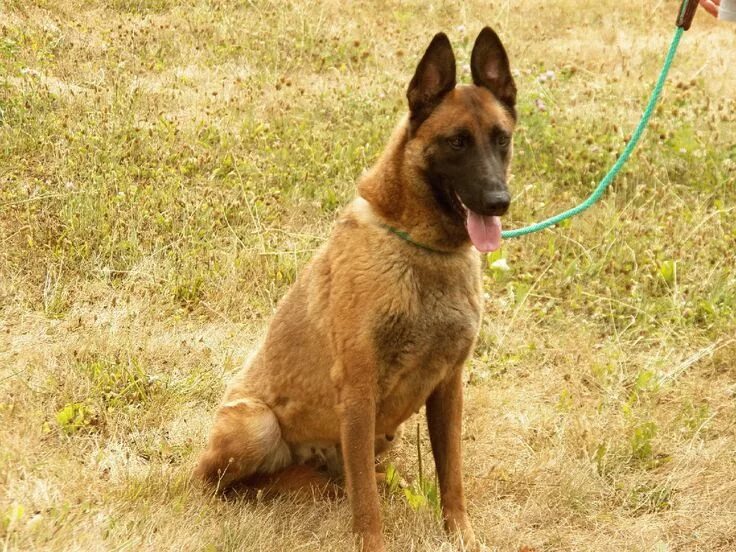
(166, 169)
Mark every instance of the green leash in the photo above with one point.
(684, 19)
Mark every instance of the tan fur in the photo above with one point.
(373, 329)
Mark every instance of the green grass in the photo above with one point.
(166, 170)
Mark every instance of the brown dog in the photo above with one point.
(383, 318)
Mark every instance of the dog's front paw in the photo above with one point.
(467, 541)
(458, 525)
(372, 542)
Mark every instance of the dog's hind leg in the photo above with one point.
(245, 439)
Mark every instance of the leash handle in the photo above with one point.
(686, 14)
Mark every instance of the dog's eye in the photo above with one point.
(458, 142)
(503, 140)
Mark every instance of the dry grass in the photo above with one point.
(167, 167)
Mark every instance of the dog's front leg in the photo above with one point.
(357, 434)
(444, 418)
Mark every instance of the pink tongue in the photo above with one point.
(485, 232)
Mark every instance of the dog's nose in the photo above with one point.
(496, 202)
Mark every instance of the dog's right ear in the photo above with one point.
(434, 77)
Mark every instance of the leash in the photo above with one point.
(684, 20)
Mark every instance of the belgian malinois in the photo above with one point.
(382, 319)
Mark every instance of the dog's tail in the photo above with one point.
(245, 439)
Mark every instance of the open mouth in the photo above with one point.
(484, 230)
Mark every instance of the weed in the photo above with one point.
(119, 384)
(648, 499)
(420, 493)
(641, 439)
(74, 417)
(694, 417)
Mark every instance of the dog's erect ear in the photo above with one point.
(434, 77)
(489, 65)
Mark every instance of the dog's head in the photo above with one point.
(465, 133)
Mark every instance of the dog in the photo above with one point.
(382, 319)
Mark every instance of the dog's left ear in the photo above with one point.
(489, 66)
(434, 77)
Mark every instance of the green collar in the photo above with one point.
(407, 238)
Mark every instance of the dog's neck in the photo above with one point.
(398, 192)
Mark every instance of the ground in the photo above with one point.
(167, 168)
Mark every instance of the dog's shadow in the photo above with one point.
(298, 482)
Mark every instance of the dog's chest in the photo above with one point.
(419, 340)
